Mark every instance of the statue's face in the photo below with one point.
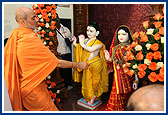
(91, 32)
(122, 36)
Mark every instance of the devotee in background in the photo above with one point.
(64, 38)
(147, 98)
(27, 62)
(94, 79)
(121, 88)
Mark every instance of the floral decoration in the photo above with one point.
(145, 56)
(46, 15)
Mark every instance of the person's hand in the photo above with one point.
(83, 65)
(81, 39)
(74, 40)
(135, 86)
(107, 55)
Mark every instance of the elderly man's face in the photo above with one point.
(31, 21)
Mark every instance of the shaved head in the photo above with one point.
(147, 98)
(26, 18)
(22, 13)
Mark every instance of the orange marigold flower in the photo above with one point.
(38, 32)
(41, 5)
(135, 35)
(53, 23)
(54, 95)
(161, 30)
(43, 32)
(154, 46)
(157, 36)
(52, 27)
(157, 24)
(161, 70)
(145, 24)
(47, 19)
(142, 67)
(53, 84)
(54, 6)
(152, 77)
(134, 43)
(139, 56)
(130, 56)
(45, 16)
(58, 99)
(141, 33)
(158, 16)
(42, 35)
(34, 7)
(163, 10)
(49, 8)
(131, 73)
(51, 34)
(149, 56)
(37, 11)
(50, 43)
(125, 58)
(125, 70)
(157, 55)
(47, 38)
(141, 74)
(144, 38)
(53, 12)
(160, 77)
(48, 82)
(43, 11)
(41, 24)
(54, 16)
(127, 64)
(153, 66)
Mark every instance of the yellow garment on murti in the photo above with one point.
(95, 78)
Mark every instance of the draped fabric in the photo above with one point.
(27, 62)
(121, 88)
(94, 79)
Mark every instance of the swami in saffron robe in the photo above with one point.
(27, 62)
(95, 78)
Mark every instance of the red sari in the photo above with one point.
(121, 88)
(121, 85)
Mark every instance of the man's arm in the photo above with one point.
(68, 64)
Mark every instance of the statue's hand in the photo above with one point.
(135, 86)
(81, 39)
(74, 40)
(107, 55)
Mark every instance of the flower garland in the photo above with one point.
(148, 48)
(46, 15)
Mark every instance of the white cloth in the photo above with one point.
(62, 47)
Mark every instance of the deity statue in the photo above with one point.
(94, 80)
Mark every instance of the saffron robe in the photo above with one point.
(27, 62)
(121, 88)
(95, 78)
